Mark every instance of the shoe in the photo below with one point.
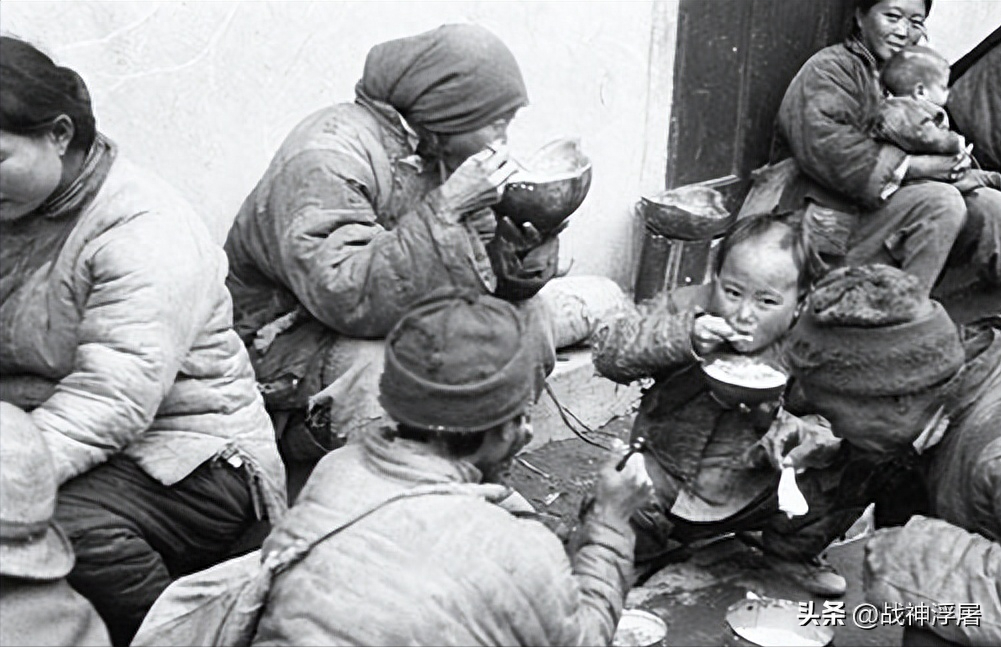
(816, 576)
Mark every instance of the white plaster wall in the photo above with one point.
(204, 92)
(956, 26)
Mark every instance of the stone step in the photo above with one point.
(588, 396)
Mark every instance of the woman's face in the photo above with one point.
(891, 25)
(757, 290)
(31, 169)
(456, 149)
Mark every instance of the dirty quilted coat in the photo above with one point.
(956, 558)
(453, 570)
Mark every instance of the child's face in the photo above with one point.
(935, 90)
(756, 290)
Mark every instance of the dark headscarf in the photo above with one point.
(450, 80)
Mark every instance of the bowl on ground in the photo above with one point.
(772, 622)
(687, 213)
(549, 188)
(738, 379)
(638, 628)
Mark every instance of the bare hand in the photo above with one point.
(479, 182)
(800, 442)
(710, 332)
(521, 238)
(618, 495)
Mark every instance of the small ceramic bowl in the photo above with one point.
(639, 628)
(737, 379)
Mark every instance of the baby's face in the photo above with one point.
(935, 90)
(757, 290)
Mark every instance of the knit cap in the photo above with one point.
(872, 331)
(459, 363)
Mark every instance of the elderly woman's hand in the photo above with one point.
(477, 183)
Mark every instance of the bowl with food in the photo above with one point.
(638, 628)
(691, 212)
(740, 379)
(772, 622)
(550, 186)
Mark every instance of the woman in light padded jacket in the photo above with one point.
(116, 337)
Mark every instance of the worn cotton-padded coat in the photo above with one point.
(442, 570)
(694, 439)
(117, 332)
(341, 236)
(955, 558)
(823, 123)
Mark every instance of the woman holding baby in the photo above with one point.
(873, 201)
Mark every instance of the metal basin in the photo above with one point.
(551, 186)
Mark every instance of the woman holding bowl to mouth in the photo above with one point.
(879, 203)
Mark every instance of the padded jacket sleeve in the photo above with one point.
(578, 603)
(932, 562)
(351, 273)
(142, 312)
(644, 341)
(822, 119)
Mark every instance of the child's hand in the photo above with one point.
(710, 332)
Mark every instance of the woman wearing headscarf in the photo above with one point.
(369, 206)
(878, 204)
(117, 337)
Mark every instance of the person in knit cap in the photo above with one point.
(919, 402)
(37, 605)
(457, 568)
(370, 206)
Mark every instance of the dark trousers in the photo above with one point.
(133, 535)
(796, 539)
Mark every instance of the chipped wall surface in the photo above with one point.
(204, 92)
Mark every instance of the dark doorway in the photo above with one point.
(734, 60)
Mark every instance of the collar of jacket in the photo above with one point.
(854, 45)
(82, 190)
(981, 370)
(390, 118)
(414, 462)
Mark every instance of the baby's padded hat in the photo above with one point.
(872, 331)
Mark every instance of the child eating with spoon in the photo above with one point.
(715, 465)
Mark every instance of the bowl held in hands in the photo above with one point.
(738, 379)
(551, 186)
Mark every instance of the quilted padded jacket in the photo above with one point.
(117, 332)
(444, 570)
